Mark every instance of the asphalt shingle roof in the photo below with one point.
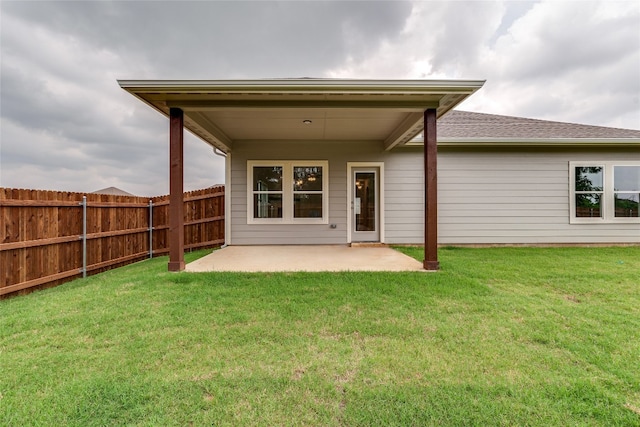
(112, 191)
(464, 124)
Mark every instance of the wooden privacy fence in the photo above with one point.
(48, 237)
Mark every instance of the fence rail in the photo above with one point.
(49, 237)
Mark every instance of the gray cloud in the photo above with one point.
(218, 39)
(65, 123)
(64, 115)
(570, 61)
(580, 38)
(459, 44)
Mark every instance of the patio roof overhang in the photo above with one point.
(224, 111)
(391, 112)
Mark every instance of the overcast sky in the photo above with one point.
(66, 125)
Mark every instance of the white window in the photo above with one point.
(626, 191)
(605, 192)
(287, 192)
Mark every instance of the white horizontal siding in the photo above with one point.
(484, 197)
(404, 206)
(338, 154)
(499, 212)
(493, 196)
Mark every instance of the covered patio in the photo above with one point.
(305, 258)
(252, 118)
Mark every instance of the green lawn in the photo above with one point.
(500, 336)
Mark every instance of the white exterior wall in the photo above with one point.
(518, 197)
(337, 153)
(404, 201)
(484, 196)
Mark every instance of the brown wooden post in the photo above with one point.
(430, 192)
(176, 189)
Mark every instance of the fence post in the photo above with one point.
(150, 228)
(84, 236)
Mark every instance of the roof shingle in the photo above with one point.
(464, 124)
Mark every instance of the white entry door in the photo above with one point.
(365, 204)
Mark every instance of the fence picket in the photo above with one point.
(40, 237)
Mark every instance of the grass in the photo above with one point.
(501, 336)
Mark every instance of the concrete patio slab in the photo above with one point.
(304, 258)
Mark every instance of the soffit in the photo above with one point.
(290, 124)
(221, 112)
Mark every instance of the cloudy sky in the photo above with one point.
(66, 125)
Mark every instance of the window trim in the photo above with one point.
(608, 204)
(288, 191)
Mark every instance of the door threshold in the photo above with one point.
(368, 245)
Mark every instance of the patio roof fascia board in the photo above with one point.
(315, 85)
(532, 142)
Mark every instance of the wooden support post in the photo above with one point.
(430, 192)
(176, 189)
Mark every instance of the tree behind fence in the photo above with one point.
(41, 237)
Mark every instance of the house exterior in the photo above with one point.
(113, 191)
(509, 180)
(345, 161)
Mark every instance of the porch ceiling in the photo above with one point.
(221, 112)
